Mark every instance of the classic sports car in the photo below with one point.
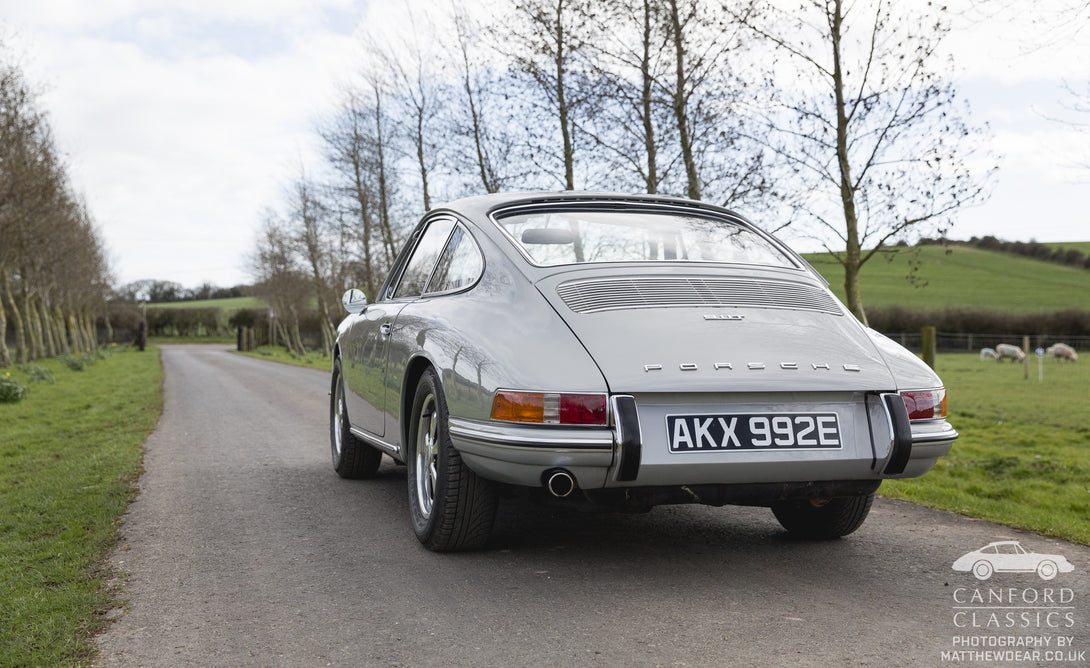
(621, 351)
(1008, 556)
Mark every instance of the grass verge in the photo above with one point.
(312, 360)
(70, 453)
(1022, 457)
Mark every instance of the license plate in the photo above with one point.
(753, 431)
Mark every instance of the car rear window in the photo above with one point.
(554, 237)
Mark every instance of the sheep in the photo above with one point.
(1062, 351)
(1006, 350)
(988, 354)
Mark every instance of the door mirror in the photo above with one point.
(354, 301)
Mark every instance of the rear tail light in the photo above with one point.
(925, 404)
(550, 408)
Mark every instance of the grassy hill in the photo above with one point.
(229, 305)
(964, 277)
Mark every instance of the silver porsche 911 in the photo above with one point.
(621, 352)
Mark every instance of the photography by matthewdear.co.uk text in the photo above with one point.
(1014, 609)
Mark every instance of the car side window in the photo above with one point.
(460, 266)
(419, 267)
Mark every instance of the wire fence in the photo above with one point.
(948, 342)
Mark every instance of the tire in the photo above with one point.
(451, 508)
(983, 570)
(1047, 569)
(352, 458)
(832, 519)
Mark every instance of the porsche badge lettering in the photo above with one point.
(755, 366)
(723, 316)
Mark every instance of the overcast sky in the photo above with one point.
(183, 119)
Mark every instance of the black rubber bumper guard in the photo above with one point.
(902, 434)
(629, 437)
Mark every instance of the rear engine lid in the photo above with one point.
(752, 331)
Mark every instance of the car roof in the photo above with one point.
(481, 206)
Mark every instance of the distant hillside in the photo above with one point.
(964, 277)
(229, 305)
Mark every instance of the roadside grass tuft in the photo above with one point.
(1023, 458)
(70, 453)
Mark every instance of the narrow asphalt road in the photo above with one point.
(244, 548)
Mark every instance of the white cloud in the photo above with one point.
(179, 130)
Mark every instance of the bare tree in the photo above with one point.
(53, 274)
(541, 39)
(310, 227)
(864, 117)
(412, 63)
(627, 57)
(280, 281)
(347, 149)
(490, 147)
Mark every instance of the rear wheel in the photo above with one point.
(450, 507)
(983, 570)
(829, 519)
(352, 458)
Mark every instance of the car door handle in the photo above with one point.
(385, 329)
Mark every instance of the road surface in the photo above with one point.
(244, 548)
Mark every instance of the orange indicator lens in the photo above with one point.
(550, 408)
(519, 407)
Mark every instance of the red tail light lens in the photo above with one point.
(925, 404)
(550, 408)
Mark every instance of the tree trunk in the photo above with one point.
(62, 333)
(561, 101)
(420, 158)
(365, 215)
(853, 255)
(33, 325)
(5, 356)
(87, 326)
(383, 195)
(680, 107)
(48, 328)
(652, 178)
(17, 324)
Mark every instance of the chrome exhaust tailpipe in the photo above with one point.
(560, 483)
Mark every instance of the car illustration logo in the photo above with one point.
(1008, 556)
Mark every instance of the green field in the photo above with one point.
(229, 305)
(1022, 458)
(964, 277)
(70, 453)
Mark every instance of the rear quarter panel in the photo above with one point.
(499, 334)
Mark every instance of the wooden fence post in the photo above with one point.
(1025, 349)
(927, 340)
